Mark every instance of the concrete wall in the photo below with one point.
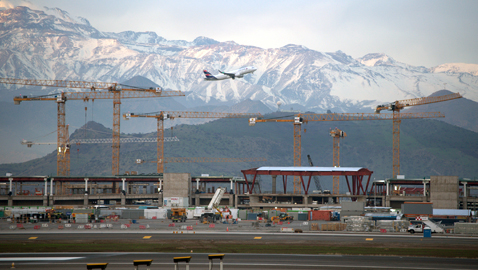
(444, 192)
(177, 185)
(468, 228)
(353, 206)
(352, 209)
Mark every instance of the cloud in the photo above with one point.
(15, 3)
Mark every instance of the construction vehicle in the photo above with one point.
(419, 225)
(282, 217)
(52, 214)
(211, 213)
(178, 214)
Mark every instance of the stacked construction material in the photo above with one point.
(392, 225)
(359, 224)
(466, 228)
(333, 226)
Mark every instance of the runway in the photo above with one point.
(122, 261)
(164, 260)
(336, 238)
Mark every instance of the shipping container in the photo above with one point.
(252, 216)
(320, 215)
(302, 216)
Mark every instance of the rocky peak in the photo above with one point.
(38, 22)
(377, 59)
(201, 41)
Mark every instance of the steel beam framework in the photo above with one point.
(357, 187)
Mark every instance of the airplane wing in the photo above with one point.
(232, 75)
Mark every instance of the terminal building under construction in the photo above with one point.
(184, 190)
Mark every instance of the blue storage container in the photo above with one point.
(251, 216)
(134, 221)
(427, 233)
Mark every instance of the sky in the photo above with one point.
(416, 32)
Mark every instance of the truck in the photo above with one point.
(211, 213)
(419, 226)
(178, 214)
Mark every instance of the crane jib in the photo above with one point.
(102, 95)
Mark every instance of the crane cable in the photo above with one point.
(45, 135)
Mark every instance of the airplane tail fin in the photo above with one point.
(208, 75)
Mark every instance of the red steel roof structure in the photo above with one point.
(356, 173)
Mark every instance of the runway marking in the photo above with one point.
(258, 237)
(368, 239)
(24, 259)
(147, 237)
(32, 238)
(293, 266)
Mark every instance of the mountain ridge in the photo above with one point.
(292, 74)
(52, 44)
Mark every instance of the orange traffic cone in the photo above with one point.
(13, 265)
(196, 223)
(227, 229)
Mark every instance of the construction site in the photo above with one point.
(207, 197)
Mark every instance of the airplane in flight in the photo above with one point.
(239, 73)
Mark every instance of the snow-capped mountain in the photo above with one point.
(51, 44)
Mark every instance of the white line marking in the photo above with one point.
(25, 259)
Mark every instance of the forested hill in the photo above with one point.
(428, 147)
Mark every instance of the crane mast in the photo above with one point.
(297, 152)
(336, 134)
(62, 166)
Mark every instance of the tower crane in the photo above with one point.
(305, 118)
(163, 115)
(98, 90)
(398, 105)
(336, 134)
